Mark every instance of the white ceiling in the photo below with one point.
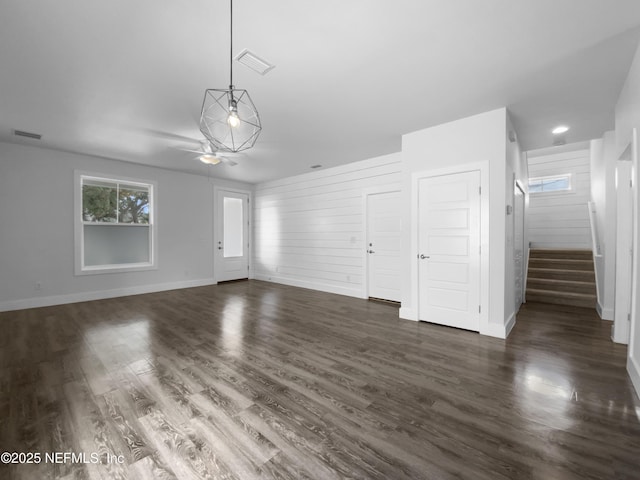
(125, 79)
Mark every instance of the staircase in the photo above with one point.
(561, 277)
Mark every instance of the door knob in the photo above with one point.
(422, 257)
(371, 251)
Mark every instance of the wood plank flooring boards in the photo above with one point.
(255, 380)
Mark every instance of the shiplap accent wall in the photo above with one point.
(561, 220)
(309, 230)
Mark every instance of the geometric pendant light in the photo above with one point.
(229, 119)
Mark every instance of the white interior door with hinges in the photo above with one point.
(232, 236)
(383, 246)
(449, 250)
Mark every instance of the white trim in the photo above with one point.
(79, 224)
(365, 226)
(604, 313)
(117, 268)
(323, 287)
(510, 324)
(500, 331)
(483, 168)
(109, 224)
(607, 314)
(36, 302)
(216, 230)
(517, 184)
(624, 246)
(634, 373)
(408, 314)
(632, 365)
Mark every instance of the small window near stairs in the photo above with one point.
(552, 184)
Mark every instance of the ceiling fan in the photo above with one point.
(207, 155)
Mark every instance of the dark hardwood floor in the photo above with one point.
(257, 380)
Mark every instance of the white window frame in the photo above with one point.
(553, 177)
(79, 223)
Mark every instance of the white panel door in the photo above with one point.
(232, 239)
(383, 245)
(518, 244)
(449, 250)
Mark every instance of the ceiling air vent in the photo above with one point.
(316, 166)
(254, 62)
(21, 133)
(559, 141)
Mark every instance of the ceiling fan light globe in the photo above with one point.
(209, 159)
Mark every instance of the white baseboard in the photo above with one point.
(604, 313)
(499, 331)
(510, 324)
(607, 314)
(36, 302)
(407, 313)
(494, 330)
(322, 287)
(634, 372)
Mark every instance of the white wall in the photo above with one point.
(598, 197)
(309, 229)
(603, 196)
(472, 140)
(561, 220)
(515, 170)
(37, 229)
(628, 118)
(628, 106)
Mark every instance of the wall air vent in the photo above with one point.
(254, 62)
(22, 133)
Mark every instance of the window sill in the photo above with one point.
(114, 224)
(121, 268)
(556, 192)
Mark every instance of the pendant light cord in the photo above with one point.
(231, 45)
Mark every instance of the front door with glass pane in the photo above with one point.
(232, 236)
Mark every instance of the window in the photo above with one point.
(557, 183)
(114, 225)
(233, 227)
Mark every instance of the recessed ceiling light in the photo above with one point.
(560, 129)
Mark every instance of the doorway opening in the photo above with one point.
(232, 235)
(383, 227)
